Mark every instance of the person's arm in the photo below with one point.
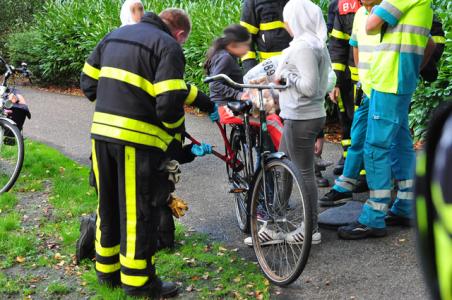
(171, 90)
(332, 7)
(389, 11)
(354, 41)
(223, 65)
(306, 78)
(429, 50)
(250, 21)
(91, 72)
(430, 71)
(198, 99)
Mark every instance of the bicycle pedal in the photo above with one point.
(238, 190)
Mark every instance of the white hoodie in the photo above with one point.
(126, 12)
(306, 63)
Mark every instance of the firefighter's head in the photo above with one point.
(178, 22)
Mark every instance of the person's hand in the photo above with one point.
(215, 116)
(201, 150)
(178, 206)
(245, 96)
(335, 94)
(13, 98)
(318, 149)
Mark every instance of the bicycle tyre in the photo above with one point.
(17, 137)
(301, 261)
(241, 200)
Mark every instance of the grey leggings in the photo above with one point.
(298, 142)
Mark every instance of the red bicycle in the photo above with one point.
(268, 190)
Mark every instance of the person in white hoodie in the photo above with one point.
(306, 66)
(131, 12)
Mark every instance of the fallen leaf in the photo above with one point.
(190, 288)
(222, 249)
(402, 240)
(195, 278)
(20, 259)
(58, 256)
(205, 276)
(237, 279)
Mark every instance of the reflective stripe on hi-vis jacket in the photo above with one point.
(397, 59)
(366, 45)
(130, 131)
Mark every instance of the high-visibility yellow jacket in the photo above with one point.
(136, 75)
(397, 60)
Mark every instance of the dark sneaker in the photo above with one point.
(84, 248)
(362, 186)
(356, 231)
(395, 220)
(339, 169)
(167, 290)
(335, 198)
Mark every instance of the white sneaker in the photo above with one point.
(266, 237)
(297, 236)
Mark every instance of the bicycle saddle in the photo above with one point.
(240, 107)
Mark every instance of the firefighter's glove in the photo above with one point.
(178, 206)
(215, 116)
(173, 169)
(201, 150)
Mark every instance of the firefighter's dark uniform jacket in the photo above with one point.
(264, 21)
(136, 76)
(140, 96)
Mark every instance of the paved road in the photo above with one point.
(374, 269)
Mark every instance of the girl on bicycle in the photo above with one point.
(222, 58)
(305, 65)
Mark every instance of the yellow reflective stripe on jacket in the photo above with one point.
(251, 29)
(130, 263)
(444, 209)
(178, 137)
(443, 249)
(131, 201)
(176, 124)
(249, 55)
(340, 35)
(133, 125)
(136, 281)
(106, 251)
(191, 95)
(339, 67)
(103, 268)
(267, 55)
(438, 39)
(129, 78)
(169, 85)
(346, 143)
(91, 71)
(271, 25)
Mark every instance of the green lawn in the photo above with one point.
(39, 223)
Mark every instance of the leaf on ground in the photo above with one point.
(190, 288)
(205, 276)
(237, 279)
(222, 249)
(195, 278)
(220, 269)
(58, 256)
(20, 259)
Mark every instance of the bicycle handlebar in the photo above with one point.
(232, 83)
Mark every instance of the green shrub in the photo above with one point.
(428, 96)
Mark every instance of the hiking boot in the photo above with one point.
(167, 290)
(356, 231)
(267, 237)
(339, 168)
(394, 220)
(297, 237)
(361, 186)
(84, 248)
(335, 198)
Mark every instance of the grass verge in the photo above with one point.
(39, 223)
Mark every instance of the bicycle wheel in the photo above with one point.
(281, 222)
(11, 155)
(240, 180)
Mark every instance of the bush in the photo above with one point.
(66, 31)
(428, 96)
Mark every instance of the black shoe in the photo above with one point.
(395, 220)
(362, 186)
(166, 290)
(169, 289)
(321, 182)
(84, 248)
(335, 198)
(356, 231)
(339, 169)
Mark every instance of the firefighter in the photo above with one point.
(269, 37)
(136, 74)
(434, 204)
(347, 74)
(405, 47)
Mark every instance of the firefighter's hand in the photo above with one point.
(178, 206)
(335, 94)
(201, 150)
(215, 116)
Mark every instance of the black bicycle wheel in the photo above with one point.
(281, 222)
(240, 179)
(11, 155)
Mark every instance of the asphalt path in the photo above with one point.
(385, 268)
